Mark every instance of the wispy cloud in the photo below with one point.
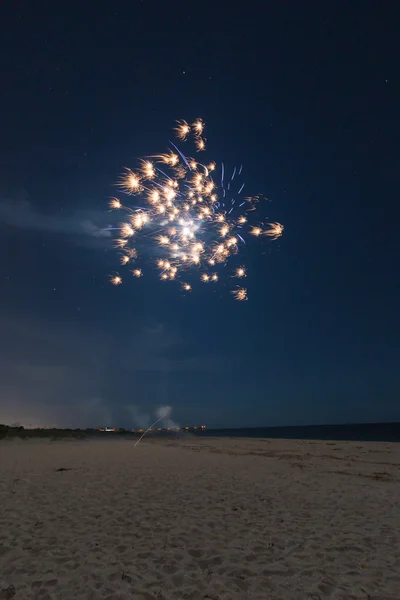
(21, 214)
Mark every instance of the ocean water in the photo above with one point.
(368, 432)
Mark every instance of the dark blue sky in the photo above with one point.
(306, 96)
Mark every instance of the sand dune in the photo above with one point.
(198, 519)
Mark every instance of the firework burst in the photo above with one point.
(188, 218)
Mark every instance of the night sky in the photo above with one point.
(306, 96)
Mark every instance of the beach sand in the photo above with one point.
(199, 518)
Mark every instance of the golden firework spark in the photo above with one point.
(137, 272)
(232, 241)
(209, 188)
(120, 242)
(139, 220)
(200, 144)
(182, 130)
(275, 230)
(115, 204)
(187, 287)
(126, 230)
(256, 231)
(147, 169)
(169, 158)
(130, 182)
(240, 294)
(198, 247)
(154, 197)
(198, 126)
(224, 230)
(240, 272)
(205, 278)
(163, 240)
(116, 280)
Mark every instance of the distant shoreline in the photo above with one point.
(383, 432)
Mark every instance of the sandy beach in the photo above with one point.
(199, 519)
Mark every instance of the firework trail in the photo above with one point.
(148, 429)
(186, 218)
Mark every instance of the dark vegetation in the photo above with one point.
(9, 432)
